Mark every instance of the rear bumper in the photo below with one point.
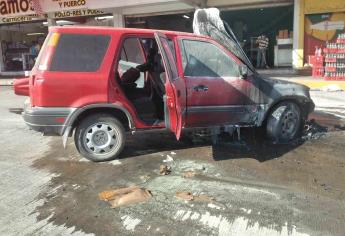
(48, 120)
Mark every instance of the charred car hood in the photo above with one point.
(278, 82)
(284, 85)
(274, 90)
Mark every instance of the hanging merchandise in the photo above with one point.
(335, 59)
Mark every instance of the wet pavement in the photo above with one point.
(259, 188)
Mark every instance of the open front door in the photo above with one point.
(175, 92)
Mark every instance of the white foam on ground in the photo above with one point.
(240, 226)
(115, 162)
(130, 223)
(168, 159)
(211, 205)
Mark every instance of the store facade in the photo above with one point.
(316, 23)
(283, 21)
(23, 25)
(323, 24)
(22, 31)
(248, 19)
(17, 36)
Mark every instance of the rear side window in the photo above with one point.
(79, 52)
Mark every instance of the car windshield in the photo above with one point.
(208, 22)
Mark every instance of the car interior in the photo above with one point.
(141, 75)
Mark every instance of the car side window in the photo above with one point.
(204, 59)
(169, 47)
(79, 52)
(131, 57)
(133, 51)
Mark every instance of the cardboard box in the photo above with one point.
(280, 34)
(285, 34)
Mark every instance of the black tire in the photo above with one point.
(100, 137)
(284, 122)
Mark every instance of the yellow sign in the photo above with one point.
(322, 6)
(66, 4)
(19, 19)
(326, 27)
(56, 15)
(76, 13)
(14, 7)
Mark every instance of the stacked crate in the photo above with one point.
(335, 59)
(317, 63)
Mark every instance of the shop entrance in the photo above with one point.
(276, 23)
(21, 42)
(20, 45)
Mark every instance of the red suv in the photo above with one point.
(99, 83)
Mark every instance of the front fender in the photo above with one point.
(306, 104)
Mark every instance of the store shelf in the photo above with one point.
(341, 41)
(335, 78)
(331, 60)
(334, 50)
(331, 69)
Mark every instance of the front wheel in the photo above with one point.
(100, 137)
(284, 122)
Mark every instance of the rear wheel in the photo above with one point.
(100, 137)
(284, 122)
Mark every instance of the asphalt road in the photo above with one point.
(259, 189)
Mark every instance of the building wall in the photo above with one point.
(303, 8)
(220, 3)
(323, 6)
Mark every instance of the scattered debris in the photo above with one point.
(169, 159)
(188, 174)
(130, 223)
(204, 198)
(326, 187)
(188, 196)
(125, 196)
(211, 205)
(339, 127)
(164, 170)
(114, 162)
(312, 130)
(145, 177)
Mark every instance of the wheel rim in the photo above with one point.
(290, 122)
(101, 139)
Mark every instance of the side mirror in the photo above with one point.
(244, 71)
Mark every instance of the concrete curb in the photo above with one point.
(321, 84)
(6, 82)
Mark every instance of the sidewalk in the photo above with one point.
(6, 81)
(314, 83)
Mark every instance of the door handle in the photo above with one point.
(200, 88)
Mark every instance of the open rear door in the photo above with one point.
(175, 96)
